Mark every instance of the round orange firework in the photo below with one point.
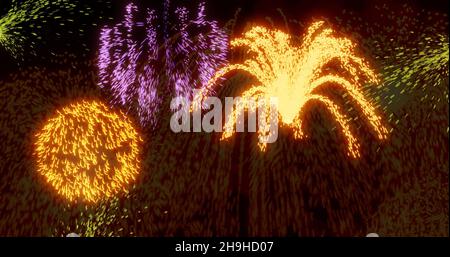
(87, 153)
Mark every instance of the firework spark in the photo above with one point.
(132, 69)
(87, 152)
(429, 64)
(23, 24)
(294, 74)
(412, 47)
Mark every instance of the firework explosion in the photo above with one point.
(302, 187)
(293, 75)
(22, 26)
(27, 98)
(133, 69)
(86, 152)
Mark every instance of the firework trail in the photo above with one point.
(133, 69)
(299, 187)
(23, 25)
(293, 75)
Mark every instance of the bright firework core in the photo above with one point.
(87, 153)
(293, 74)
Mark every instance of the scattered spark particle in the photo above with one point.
(22, 27)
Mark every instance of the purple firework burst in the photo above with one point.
(134, 69)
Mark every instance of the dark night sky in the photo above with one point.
(297, 9)
(252, 10)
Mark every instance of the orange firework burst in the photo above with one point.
(293, 75)
(86, 152)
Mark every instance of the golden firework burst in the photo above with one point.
(293, 75)
(87, 152)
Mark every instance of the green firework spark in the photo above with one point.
(410, 48)
(429, 61)
(22, 27)
(414, 73)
